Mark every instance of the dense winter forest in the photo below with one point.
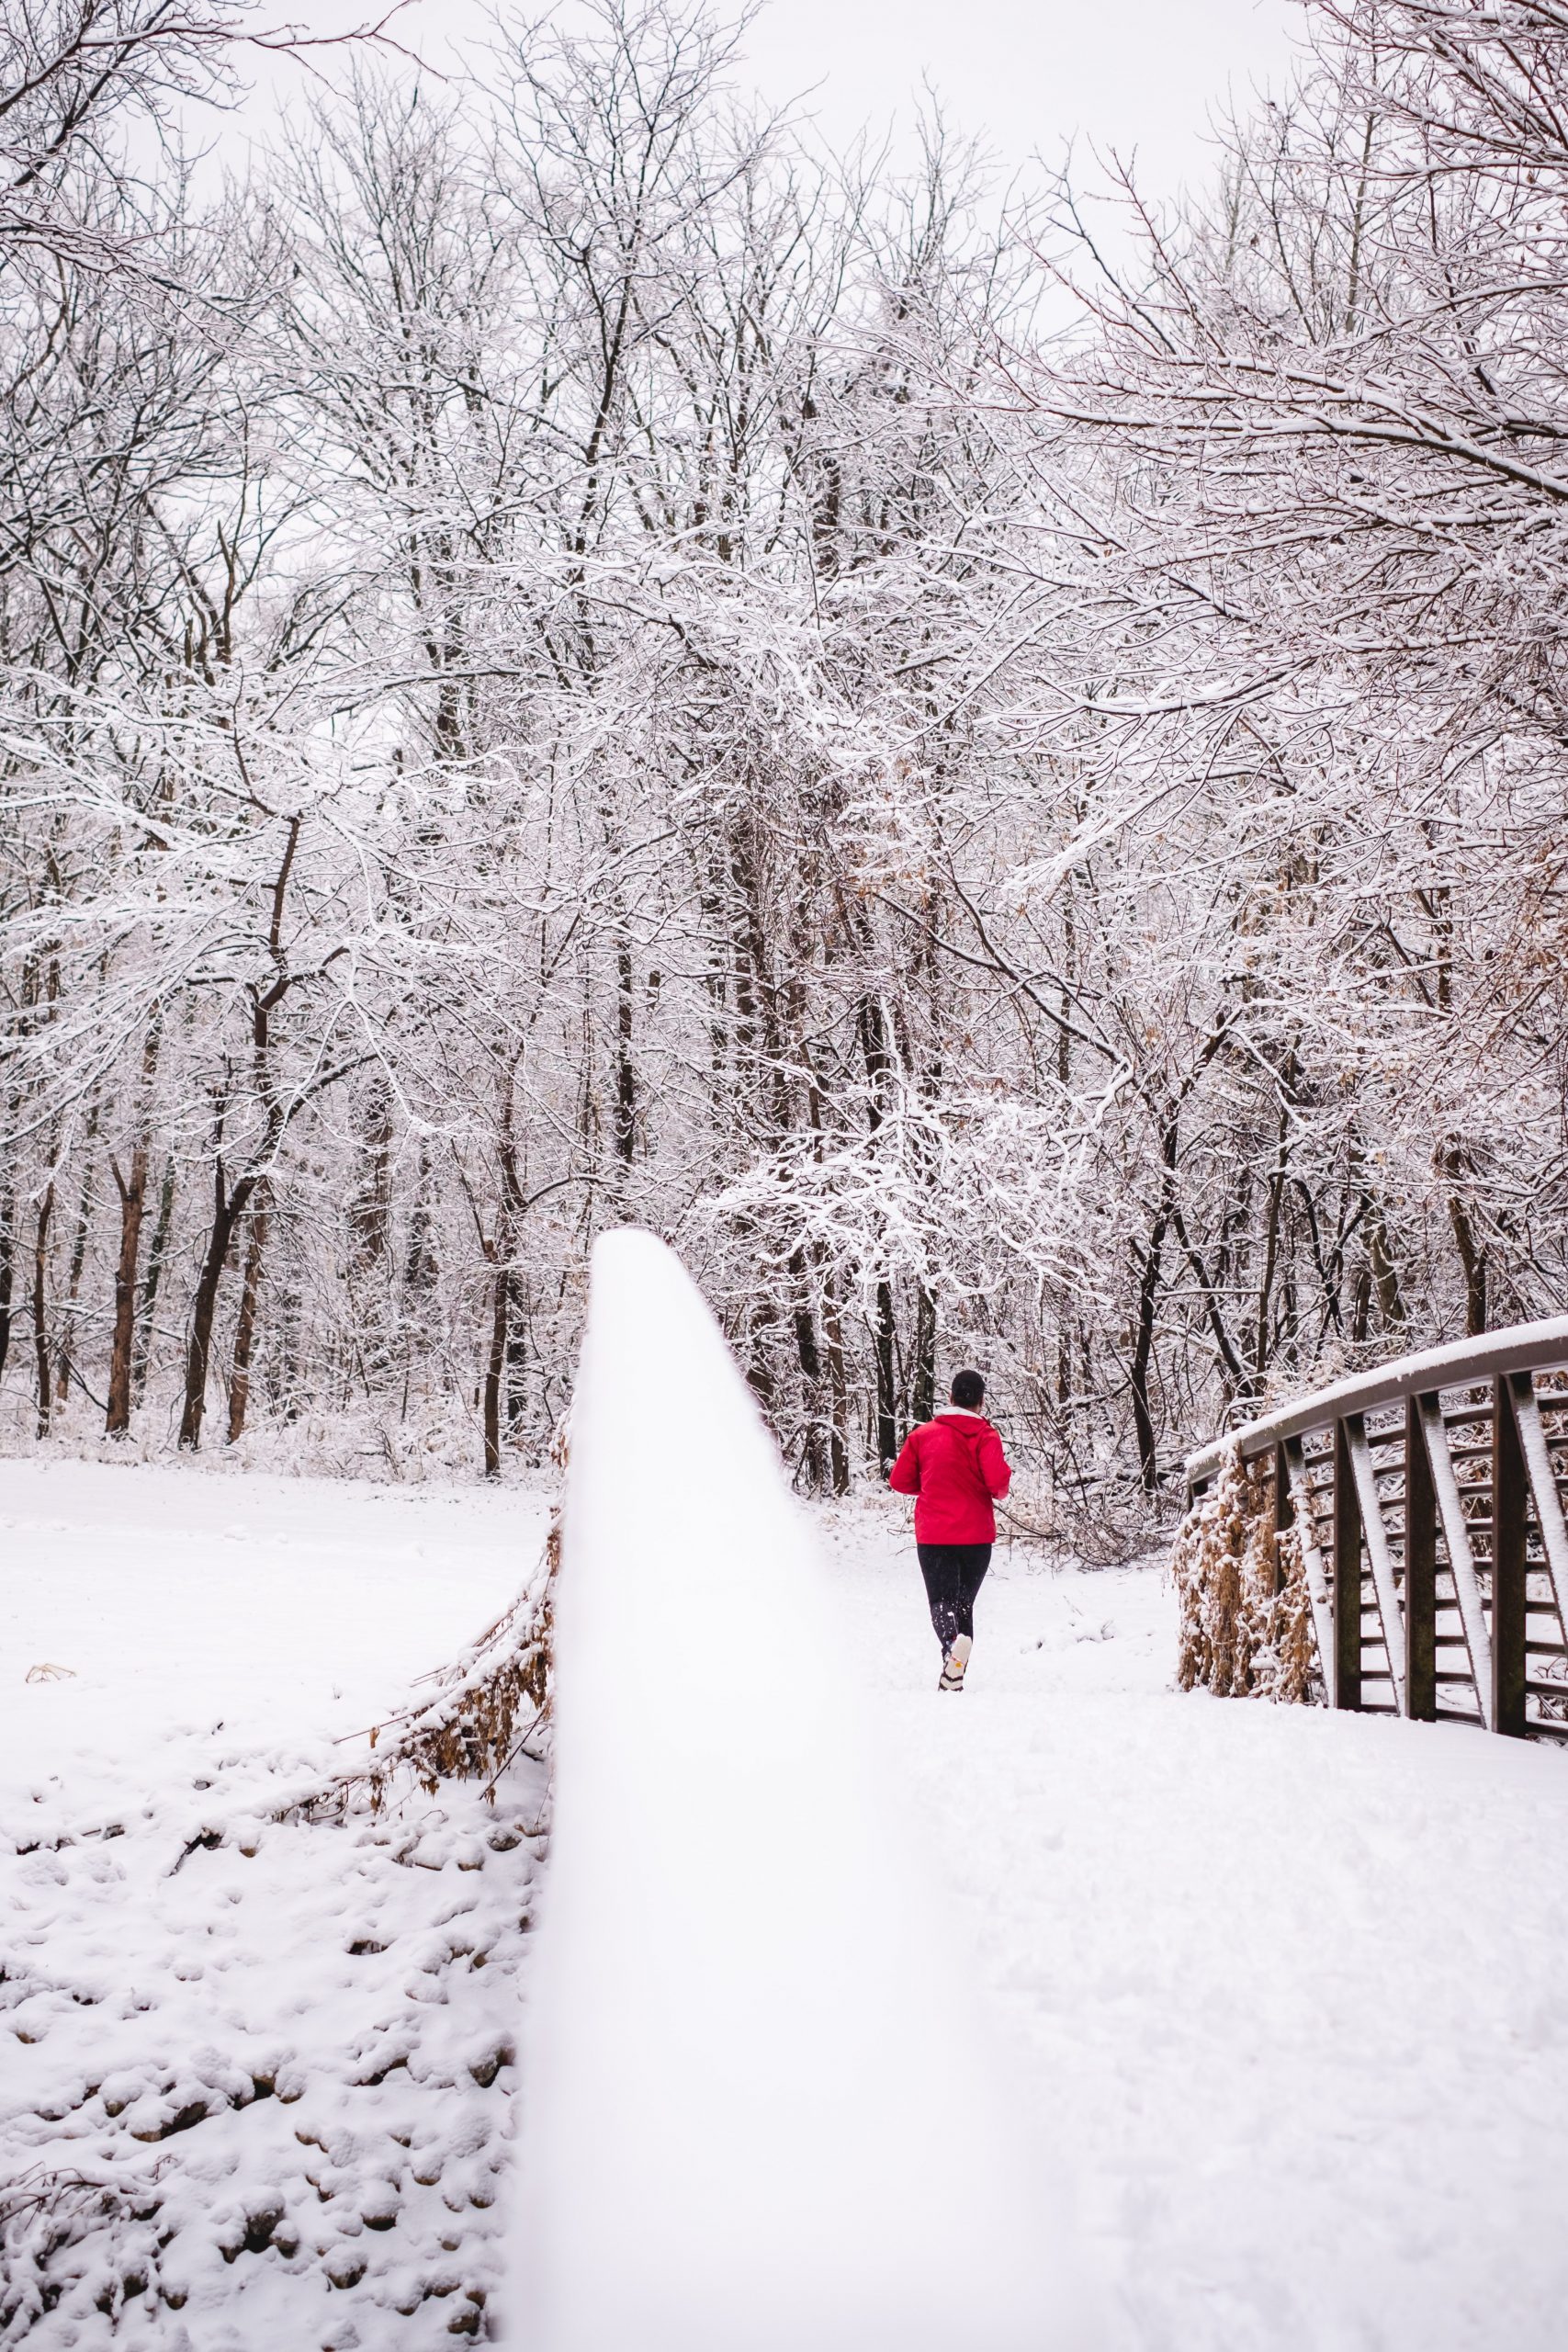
(568, 658)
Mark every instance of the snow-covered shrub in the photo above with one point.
(1247, 1627)
(1100, 1529)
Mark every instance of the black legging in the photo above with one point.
(953, 1575)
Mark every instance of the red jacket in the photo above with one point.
(954, 1467)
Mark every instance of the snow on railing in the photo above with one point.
(1524, 1346)
(757, 2115)
(1428, 1498)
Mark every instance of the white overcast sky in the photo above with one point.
(1023, 76)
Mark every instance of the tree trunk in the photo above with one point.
(1144, 1340)
(495, 1368)
(245, 1328)
(515, 1398)
(886, 1385)
(1259, 1367)
(877, 1053)
(1472, 1258)
(625, 1068)
(40, 1326)
(228, 1208)
(7, 1272)
(73, 1280)
(370, 1213)
(1385, 1273)
(922, 1401)
(132, 1192)
(837, 1390)
(157, 1258)
(810, 1359)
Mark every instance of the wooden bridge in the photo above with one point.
(1429, 1499)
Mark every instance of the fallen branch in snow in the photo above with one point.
(69, 2194)
(205, 1841)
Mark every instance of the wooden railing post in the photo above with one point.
(1347, 1575)
(1461, 1551)
(1284, 1507)
(1509, 1526)
(1299, 1502)
(1379, 1558)
(1420, 1572)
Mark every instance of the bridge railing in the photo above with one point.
(1428, 1497)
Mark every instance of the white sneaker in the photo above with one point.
(954, 1664)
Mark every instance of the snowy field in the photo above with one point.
(252, 2093)
(1286, 1988)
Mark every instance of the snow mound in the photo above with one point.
(756, 2113)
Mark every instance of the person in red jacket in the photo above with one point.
(955, 1469)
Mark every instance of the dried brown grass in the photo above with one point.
(1247, 1627)
(490, 1703)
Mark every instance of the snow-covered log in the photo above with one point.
(759, 2113)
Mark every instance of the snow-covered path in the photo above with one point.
(1290, 1989)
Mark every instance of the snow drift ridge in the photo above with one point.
(756, 2117)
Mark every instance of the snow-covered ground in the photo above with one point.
(1287, 1989)
(252, 2093)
